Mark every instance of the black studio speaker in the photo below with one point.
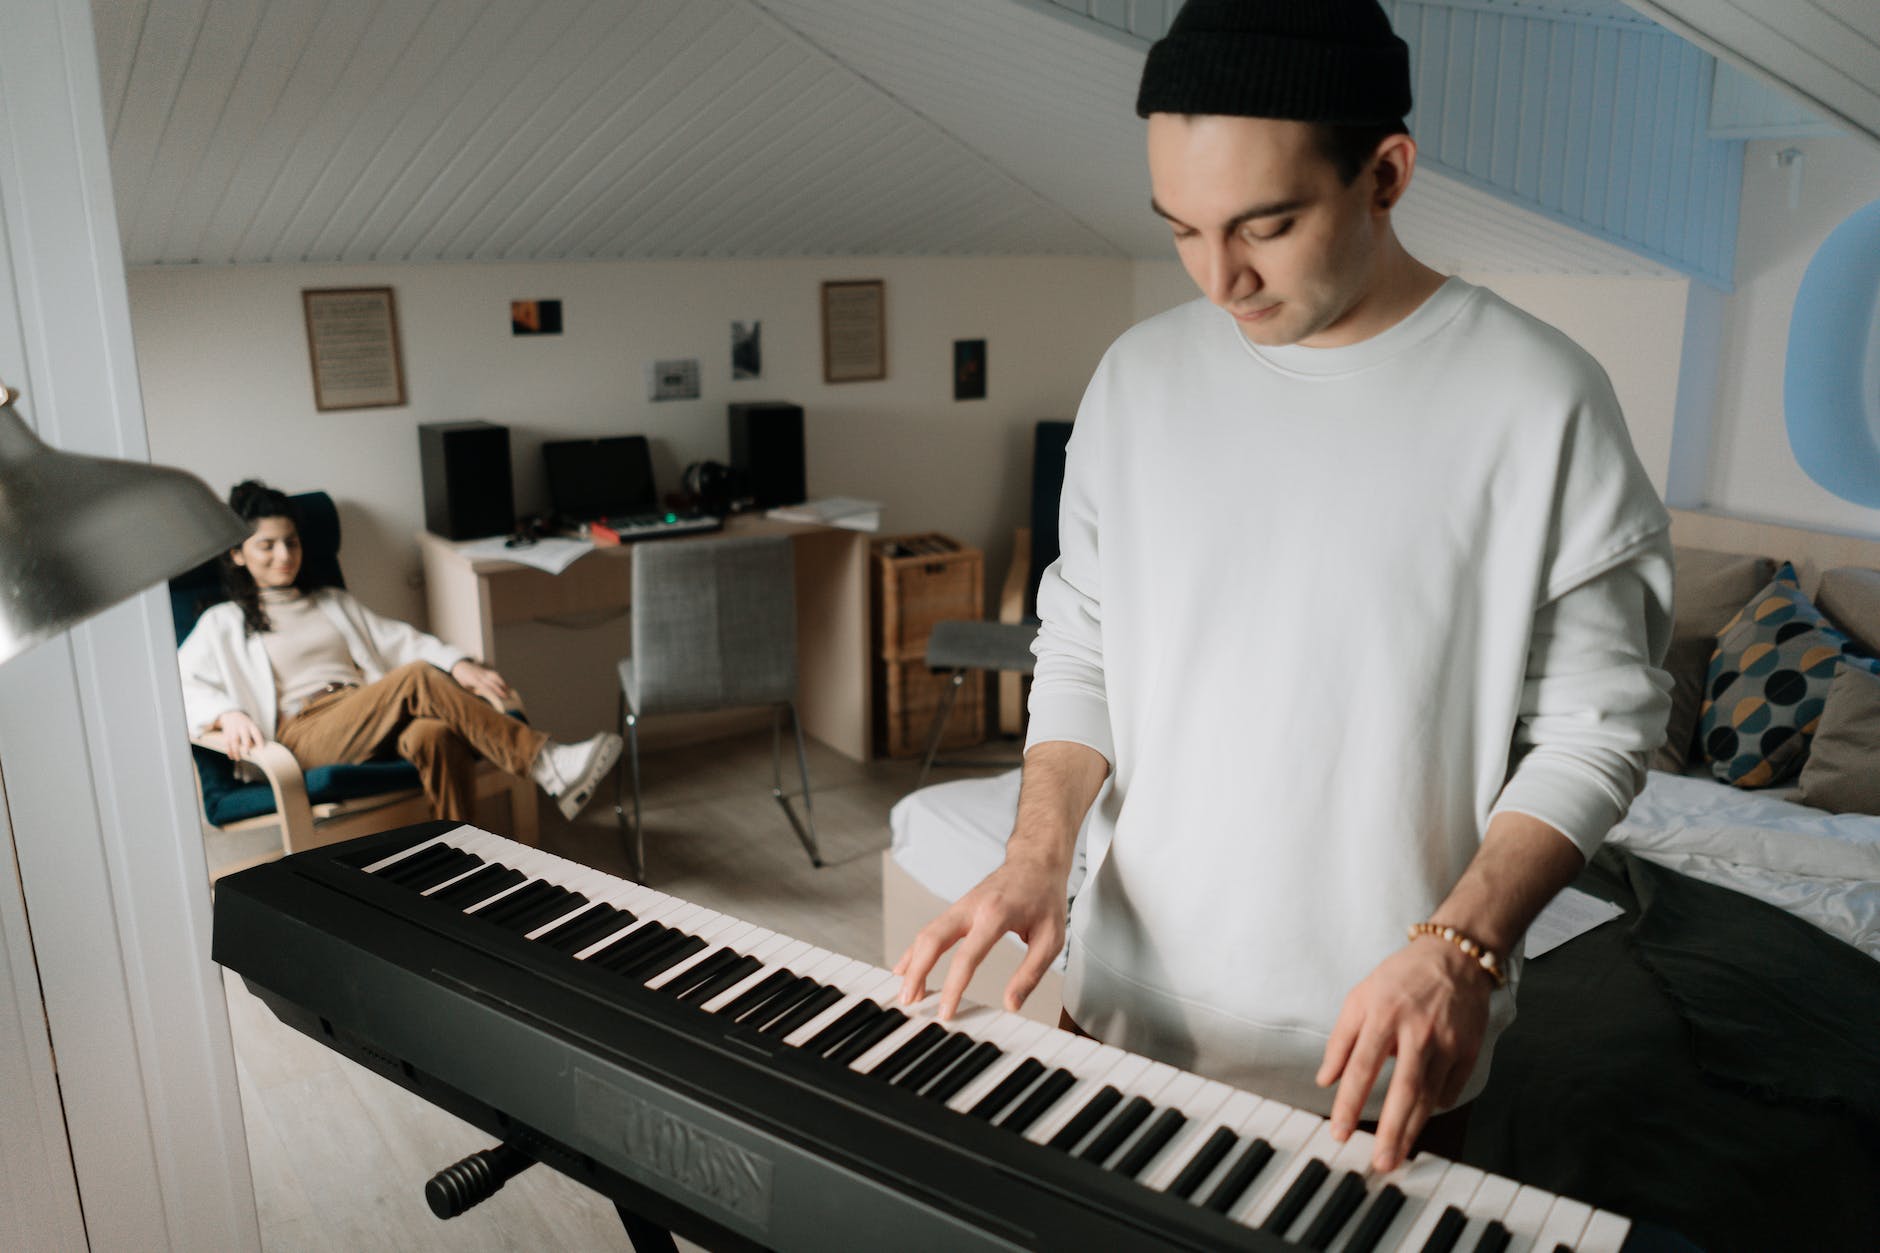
(767, 447)
(467, 488)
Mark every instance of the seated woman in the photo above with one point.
(336, 683)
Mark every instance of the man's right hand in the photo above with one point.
(240, 734)
(1025, 897)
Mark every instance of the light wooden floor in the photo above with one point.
(340, 1156)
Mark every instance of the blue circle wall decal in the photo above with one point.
(1831, 380)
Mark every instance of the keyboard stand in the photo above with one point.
(645, 1237)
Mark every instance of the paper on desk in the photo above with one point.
(844, 511)
(1572, 913)
(552, 554)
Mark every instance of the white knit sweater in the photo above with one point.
(1314, 606)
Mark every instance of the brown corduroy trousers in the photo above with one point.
(426, 717)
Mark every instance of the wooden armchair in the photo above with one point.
(326, 804)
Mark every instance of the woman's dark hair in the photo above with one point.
(1348, 146)
(253, 500)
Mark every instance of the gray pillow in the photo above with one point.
(1709, 587)
(1842, 773)
(1850, 596)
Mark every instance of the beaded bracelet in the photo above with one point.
(1487, 960)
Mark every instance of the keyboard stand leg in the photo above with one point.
(644, 1236)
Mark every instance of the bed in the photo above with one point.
(1708, 1060)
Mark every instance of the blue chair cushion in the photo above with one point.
(227, 798)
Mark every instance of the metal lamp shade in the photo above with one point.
(79, 534)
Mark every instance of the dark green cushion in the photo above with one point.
(226, 798)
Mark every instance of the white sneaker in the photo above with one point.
(571, 772)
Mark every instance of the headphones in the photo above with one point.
(718, 488)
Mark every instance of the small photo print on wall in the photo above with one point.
(672, 380)
(969, 369)
(747, 351)
(535, 317)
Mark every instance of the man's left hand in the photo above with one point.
(1427, 1006)
(481, 680)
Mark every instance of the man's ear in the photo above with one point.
(1391, 167)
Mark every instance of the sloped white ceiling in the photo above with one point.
(402, 130)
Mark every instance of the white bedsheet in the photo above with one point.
(1819, 866)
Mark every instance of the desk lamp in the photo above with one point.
(79, 534)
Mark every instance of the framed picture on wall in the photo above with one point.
(352, 338)
(855, 343)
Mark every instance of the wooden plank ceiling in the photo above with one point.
(252, 131)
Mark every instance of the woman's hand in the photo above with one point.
(241, 737)
(481, 680)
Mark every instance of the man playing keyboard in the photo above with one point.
(1361, 596)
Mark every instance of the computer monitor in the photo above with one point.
(589, 479)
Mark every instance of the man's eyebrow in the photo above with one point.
(1274, 209)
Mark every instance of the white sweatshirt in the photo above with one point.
(225, 668)
(1313, 605)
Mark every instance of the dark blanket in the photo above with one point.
(1706, 1062)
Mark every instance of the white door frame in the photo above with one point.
(109, 851)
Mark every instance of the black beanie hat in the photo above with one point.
(1306, 60)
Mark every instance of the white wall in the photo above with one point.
(1754, 473)
(1631, 326)
(222, 354)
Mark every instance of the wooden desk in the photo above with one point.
(557, 636)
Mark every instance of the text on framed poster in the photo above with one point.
(855, 345)
(352, 337)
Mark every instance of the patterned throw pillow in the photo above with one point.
(1768, 683)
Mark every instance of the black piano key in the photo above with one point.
(524, 921)
(737, 972)
(629, 945)
(687, 980)
(429, 877)
(1135, 1111)
(1007, 1089)
(478, 886)
(1202, 1164)
(585, 928)
(749, 1000)
(629, 963)
(1376, 1220)
(858, 1016)
(1448, 1230)
(815, 1003)
(1494, 1239)
(785, 1002)
(1072, 1132)
(521, 898)
(408, 868)
(1563, 1247)
(1239, 1176)
(1304, 1187)
(1048, 1092)
(654, 964)
(1336, 1212)
(929, 1068)
(1143, 1151)
(926, 1039)
(963, 1072)
(866, 1037)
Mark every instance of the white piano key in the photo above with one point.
(874, 989)
(1565, 1221)
(722, 934)
(1490, 1204)
(1435, 1183)
(1107, 1067)
(1294, 1143)
(1354, 1155)
(1021, 1044)
(1202, 1125)
(1605, 1233)
(1090, 1078)
(1525, 1216)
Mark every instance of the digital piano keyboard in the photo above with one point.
(755, 1091)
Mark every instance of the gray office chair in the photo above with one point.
(714, 627)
